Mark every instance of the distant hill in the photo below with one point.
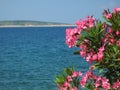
(31, 23)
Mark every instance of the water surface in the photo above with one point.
(31, 57)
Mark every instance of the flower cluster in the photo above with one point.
(99, 44)
(116, 85)
(96, 81)
(69, 79)
(72, 34)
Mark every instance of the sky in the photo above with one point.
(64, 11)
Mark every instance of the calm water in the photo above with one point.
(31, 57)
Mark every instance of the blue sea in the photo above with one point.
(30, 57)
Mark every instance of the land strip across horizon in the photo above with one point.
(23, 23)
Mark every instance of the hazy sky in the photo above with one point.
(68, 11)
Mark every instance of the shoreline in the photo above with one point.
(12, 26)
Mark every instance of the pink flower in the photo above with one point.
(69, 78)
(105, 83)
(96, 89)
(97, 84)
(83, 83)
(117, 32)
(106, 86)
(83, 47)
(108, 16)
(99, 78)
(86, 77)
(71, 37)
(60, 87)
(118, 42)
(101, 49)
(75, 88)
(90, 21)
(117, 10)
(93, 76)
(100, 56)
(88, 58)
(104, 40)
(83, 53)
(66, 84)
(86, 41)
(116, 85)
(112, 40)
(81, 25)
(75, 74)
(79, 73)
(110, 30)
(94, 57)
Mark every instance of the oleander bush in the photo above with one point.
(99, 44)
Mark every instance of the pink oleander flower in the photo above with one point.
(94, 57)
(96, 89)
(88, 58)
(117, 10)
(79, 73)
(97, 84)
(99, 78)
(90, 21)
(116, 85)
(81, 25)
(105, 83)
(118, 42)
(69, 78)
(110, 30)
(84, 47)
(100, 56)
(86, 41)
(66, 84)
(60, 87)
(76, 74)
(108, 16)
(75, 88)
(83, 82)
(106, 86)
(71, 37)
(83, 53)
(84, 24)
(104, 40)
(101, 49)
(93, 76)
(117, 32)
(112, 40)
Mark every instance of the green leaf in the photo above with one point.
(69, 71)
(59, 79)
(77, 52)
(101, 71)
(90, 86)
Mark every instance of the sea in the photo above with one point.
(31, 57)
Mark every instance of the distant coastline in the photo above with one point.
(5, 26)
(32, 24)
